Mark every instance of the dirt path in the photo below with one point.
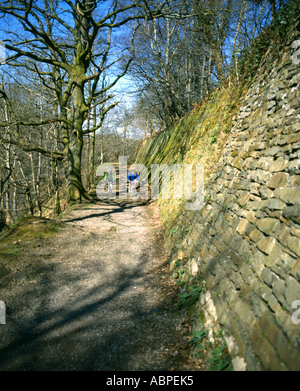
(99, 298)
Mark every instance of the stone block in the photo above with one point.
(272, 204)
(244, 291)
(242, 226)
(270, 328)
(237, 163)
(268, 277)
(238, 364)
(295, 270)
(267, 295)
(227, 236)
(294, 181)
(251, 216)
(264, 162)
(219, 246)
(239, 335)
(235, 258)
(279, 290)
(260, 176)
(292, 213)
(212, 232)
(288, 195)
(279, 272)
(291, 330)
(276, 214)
(265, 192)
(274, 256)
(254, 189)
(245, 271)
(267, 245)
(278, 180)
(255, 198)
(236, 280)
(257, 304)
(278, 165)
(241, 246)
(241, 309)
(292, 291)
(244, 198)
(294, 244)
(295, 231)
(235, 223)
(288, 353)
(253, 364)
(293, 166)
(193, 267)
(282, 233)
(272, 151)
(267, 225)
(212, 265)
(264, 350)
(210, 281)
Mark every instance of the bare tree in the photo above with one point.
(57, 40)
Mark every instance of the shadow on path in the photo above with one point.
(101, 310)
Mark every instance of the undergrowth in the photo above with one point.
(216, 355)
(26, 232)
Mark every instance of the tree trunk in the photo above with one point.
(101, 148)
(93, 162)
(2, 219)
(57, 208)
(88, 163)
(55, 188)
(29, 200)
(217, 57)
(76, 191)
(234, 61)
(273, 8)
(75, 188)
(88, 147)
(124, 139)
(36, 180)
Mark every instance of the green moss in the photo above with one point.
(25, 233)
(12, 250)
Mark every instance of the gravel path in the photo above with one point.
(97, 297)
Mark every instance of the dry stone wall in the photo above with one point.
(245, 241)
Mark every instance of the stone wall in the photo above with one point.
(245, 242)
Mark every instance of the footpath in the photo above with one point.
(95, 296)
